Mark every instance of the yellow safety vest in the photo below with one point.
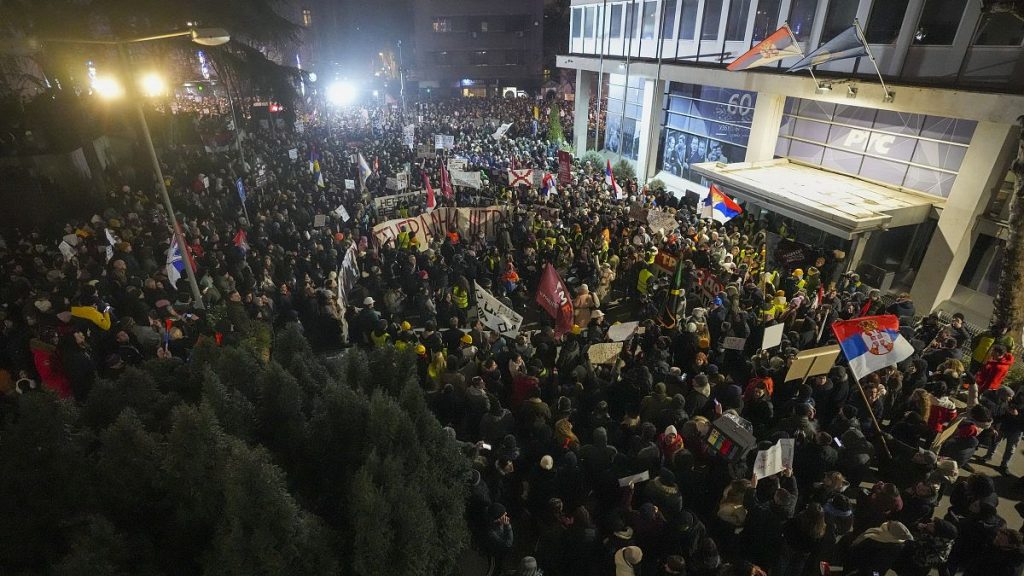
(642, 280)
(403, 240)
(461, 298)
(380, 341)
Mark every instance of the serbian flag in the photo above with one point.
(550, 184)
(609, 179)
(431, 199)
(446, 183)
(553, 297)
(872, 343)
(848, 44)
(781, 44)
(720, 207)
(242, 242)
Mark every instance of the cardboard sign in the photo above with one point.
(634, 479)
(775, 459)
(293, 154)
(319, 221)
(605, 353)
(661, 220)
(350, 184)
(813, 362)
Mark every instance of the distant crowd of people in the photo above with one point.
(550, 433)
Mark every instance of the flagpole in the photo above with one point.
(889, 96)
(797, 44)
(871, 412)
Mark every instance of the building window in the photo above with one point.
(885, 21)
(631, 20)
(514, 57)
(588, 22)
(840, 16)
(307, 17)
(615, 31)
(478, 58)
(483, 26)
(1002, 29)
(668, 23)
(443, 25)
(712, 18)
(939, 22)
(915, 151)
(624, 112)
(650, 20)
(801, 17)
(577, 24)
(766, 19)
(688, 20)
(736, 22)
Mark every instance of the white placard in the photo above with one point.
(342, 213)
(622, 331)
(774, 460)
(350, 184)
(293, 154)
(772, 336)
(606, 353)
(319, 221)
(467, 179)
(733, 343)
(634, 479)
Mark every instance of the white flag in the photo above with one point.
(500, 133)
(495, 315)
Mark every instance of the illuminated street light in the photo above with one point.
(153, 85)
(342, 93)
(107, 88)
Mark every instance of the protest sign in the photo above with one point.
(812, 362)
(425, 151)
(661, 220)
(495, 315)
(772, 336)
(342, 213)
(500, 133)
(293, 154)
(467, 179)
(468, 222)
(733, 343)
(604, 353)
(350, 184)
(444, 141)
(409, 136)
(319, 221)
(774, 460)
(634, 479)
(622, 331)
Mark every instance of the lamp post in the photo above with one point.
(204, 37)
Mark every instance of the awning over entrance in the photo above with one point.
(841, 205)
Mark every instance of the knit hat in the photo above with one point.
(495, 511)
(670, 430)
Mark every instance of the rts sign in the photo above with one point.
(873, 142)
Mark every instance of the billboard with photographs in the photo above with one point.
(705, 124)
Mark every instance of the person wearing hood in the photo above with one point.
(664, 493)
(877, 549)
(597, 457)
(627, 561)
(769, 506)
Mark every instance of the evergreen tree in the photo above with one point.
(555, 133)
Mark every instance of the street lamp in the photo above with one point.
(202, 36)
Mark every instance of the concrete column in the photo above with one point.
(860, 242)
(905, 39)
(982, 172)
(764, 129)
(581, 116)
(650, 133)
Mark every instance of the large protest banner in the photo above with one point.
(495, 315)
(468, 222)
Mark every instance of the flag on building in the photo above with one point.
(431, 199)
(446, 183)
(175, 261)
(848, 44)
(241, 189)
(609, 179)
(241, 242)
(553, 297)
(364, 170)
(781, 44)
(872, 343)
(550, 184)
(720, 207)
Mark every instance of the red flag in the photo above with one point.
(564, 166)
(553, 297)
(376, 164)
(431, 200)
(446, 183)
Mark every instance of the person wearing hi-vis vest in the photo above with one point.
(643, 280)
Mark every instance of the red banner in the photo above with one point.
(553, 297)
(564, 167)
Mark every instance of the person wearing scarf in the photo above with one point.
(877, 549)
(565, 436)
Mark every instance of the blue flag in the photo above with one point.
(847, 44)
(241, 190)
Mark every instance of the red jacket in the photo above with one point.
(51, 372)
(990, 375)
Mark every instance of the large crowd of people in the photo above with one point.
(580, 467)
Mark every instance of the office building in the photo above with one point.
(911, 183)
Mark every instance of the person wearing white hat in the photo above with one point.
(365, 322)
